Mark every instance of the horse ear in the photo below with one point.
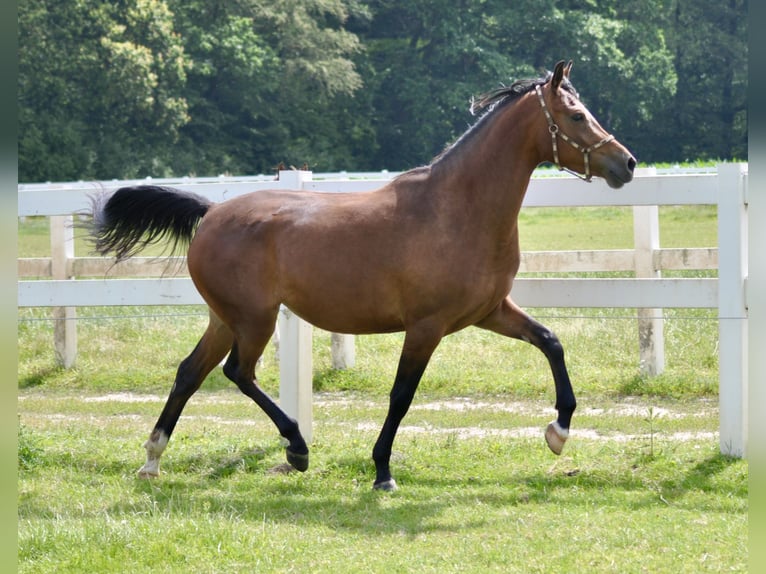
(558, 75)
(568, 69)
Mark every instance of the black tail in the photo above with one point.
(129, 219)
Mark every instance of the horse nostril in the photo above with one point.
(631, 164)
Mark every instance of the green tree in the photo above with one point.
(622, 65)
(429, 58)
(267, 76)
(426, 60)
(99, 88)
(708, 116)
(169, 87)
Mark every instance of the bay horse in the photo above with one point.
(429, 253)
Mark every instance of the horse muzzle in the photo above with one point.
(619, 171)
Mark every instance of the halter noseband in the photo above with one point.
(555, 131)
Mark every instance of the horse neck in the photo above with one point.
(485, 178)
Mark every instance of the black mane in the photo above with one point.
(493, 101)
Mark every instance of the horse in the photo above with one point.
(429, 253)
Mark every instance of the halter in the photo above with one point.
(555, 131)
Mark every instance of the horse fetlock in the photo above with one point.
(156, 443)
(155, 446)
(556, 436)
(388, 485)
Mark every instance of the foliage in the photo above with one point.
(100, 88)
(264, 75)
(175, 87)
(709, 41)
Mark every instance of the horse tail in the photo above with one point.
(127, 220)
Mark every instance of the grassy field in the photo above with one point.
(640, 487)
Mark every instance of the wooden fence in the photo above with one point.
(144, 281)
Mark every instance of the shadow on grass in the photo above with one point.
(703, 477)
(337, 380)
(338, 495)
(251, 483)
(665, 386)
(39, 377)
(308, 499)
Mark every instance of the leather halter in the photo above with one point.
(555, 131)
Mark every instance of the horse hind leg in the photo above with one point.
(208, 353)
(240, 369)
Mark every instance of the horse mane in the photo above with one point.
(516, 90)
(494, 100)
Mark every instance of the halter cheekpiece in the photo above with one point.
(555, 131)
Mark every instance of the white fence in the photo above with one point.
(140, 281)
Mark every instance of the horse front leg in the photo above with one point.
(419, 345)
(510, 320)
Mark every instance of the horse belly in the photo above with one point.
(344, 301)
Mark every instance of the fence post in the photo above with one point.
(646, 239)
(64, 324)
(296, 370)
(296, 366)
(343, 351)
(732, 309)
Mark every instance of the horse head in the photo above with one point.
(588, 149)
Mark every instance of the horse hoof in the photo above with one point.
(150, 469)
(386, 486)
(297, 461)
(556, 436)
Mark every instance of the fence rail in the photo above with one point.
(68, 281)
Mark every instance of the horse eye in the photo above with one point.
(578, 117)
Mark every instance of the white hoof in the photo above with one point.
(151, 469)
(556, 436)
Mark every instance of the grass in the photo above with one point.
(475, 495)
(641, 486)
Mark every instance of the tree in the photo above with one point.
(172, 87)
(429, 58)
(708, 116)
(99, 88)
(265, 77)
(426, 59)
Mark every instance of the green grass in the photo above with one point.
(626, 495)
(641, 486)
(141, 353)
